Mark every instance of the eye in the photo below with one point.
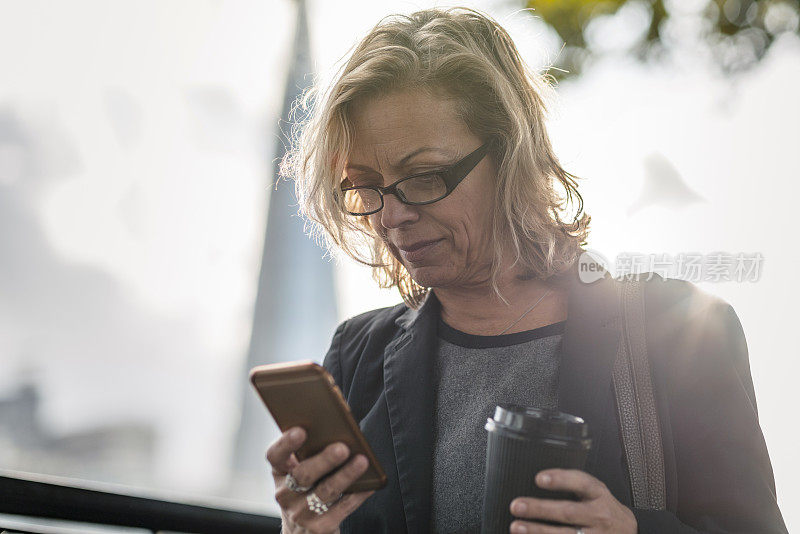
(363, 180)
(427, 169)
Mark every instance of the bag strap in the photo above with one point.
(638, 417)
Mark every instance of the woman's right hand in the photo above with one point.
(295, 514)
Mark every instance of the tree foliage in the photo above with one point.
(734, 34)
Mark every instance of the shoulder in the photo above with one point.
(693, 335)
(360, 342)
(372, 322)
(675, 306)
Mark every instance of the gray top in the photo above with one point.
(475, 373)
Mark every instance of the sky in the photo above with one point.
(133, 197)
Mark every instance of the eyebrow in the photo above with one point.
(404, 160)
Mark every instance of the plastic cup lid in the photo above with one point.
(536, 422)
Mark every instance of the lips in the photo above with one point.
(418, 251)
(417, 245)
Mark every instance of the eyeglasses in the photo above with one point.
(416, 190)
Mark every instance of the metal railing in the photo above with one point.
(38, 496)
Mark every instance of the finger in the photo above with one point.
(347, 505)
(333, 486)
(280, 453)
(330, 520)
(584, 485)
(527, 527)
(570, 512)
(310, 470)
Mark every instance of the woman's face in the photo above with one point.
(444, 244)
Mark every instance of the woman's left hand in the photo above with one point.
(597, 512)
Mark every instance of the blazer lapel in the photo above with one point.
(410, 397)
(589, 348)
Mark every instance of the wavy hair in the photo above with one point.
(466, 55)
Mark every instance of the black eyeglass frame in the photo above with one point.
(452, 175)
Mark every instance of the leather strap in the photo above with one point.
(636, 407)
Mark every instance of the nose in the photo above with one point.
(396, 214)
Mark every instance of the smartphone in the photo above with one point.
(304, 394)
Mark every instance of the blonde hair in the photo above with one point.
(464, 55)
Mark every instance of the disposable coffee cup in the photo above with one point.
(523, 441)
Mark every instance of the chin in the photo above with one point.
(429, 276)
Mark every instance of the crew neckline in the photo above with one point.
(473, 341)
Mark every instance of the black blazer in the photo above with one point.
(718, 473)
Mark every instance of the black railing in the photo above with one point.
(39, 497)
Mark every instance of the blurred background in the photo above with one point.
(149, 257)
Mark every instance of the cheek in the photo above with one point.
(471, 230)
(476, 237)
(477, 214)
(374, 222)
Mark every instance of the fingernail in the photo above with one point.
(545, 480)
(518, 529)
(340, 450)
(361, 461)
(519, 508)
(295, 433)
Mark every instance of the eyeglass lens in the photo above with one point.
(418, 190)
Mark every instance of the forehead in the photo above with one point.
(395, 123)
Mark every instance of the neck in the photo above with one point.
(479, 310)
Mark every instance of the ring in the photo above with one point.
(579, 531)
(292, 484)
(316, 505)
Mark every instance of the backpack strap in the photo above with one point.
(636, 407)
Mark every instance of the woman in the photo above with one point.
(428, 160)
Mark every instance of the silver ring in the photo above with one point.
(316, 505)
(292, 484)
(579, 531)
